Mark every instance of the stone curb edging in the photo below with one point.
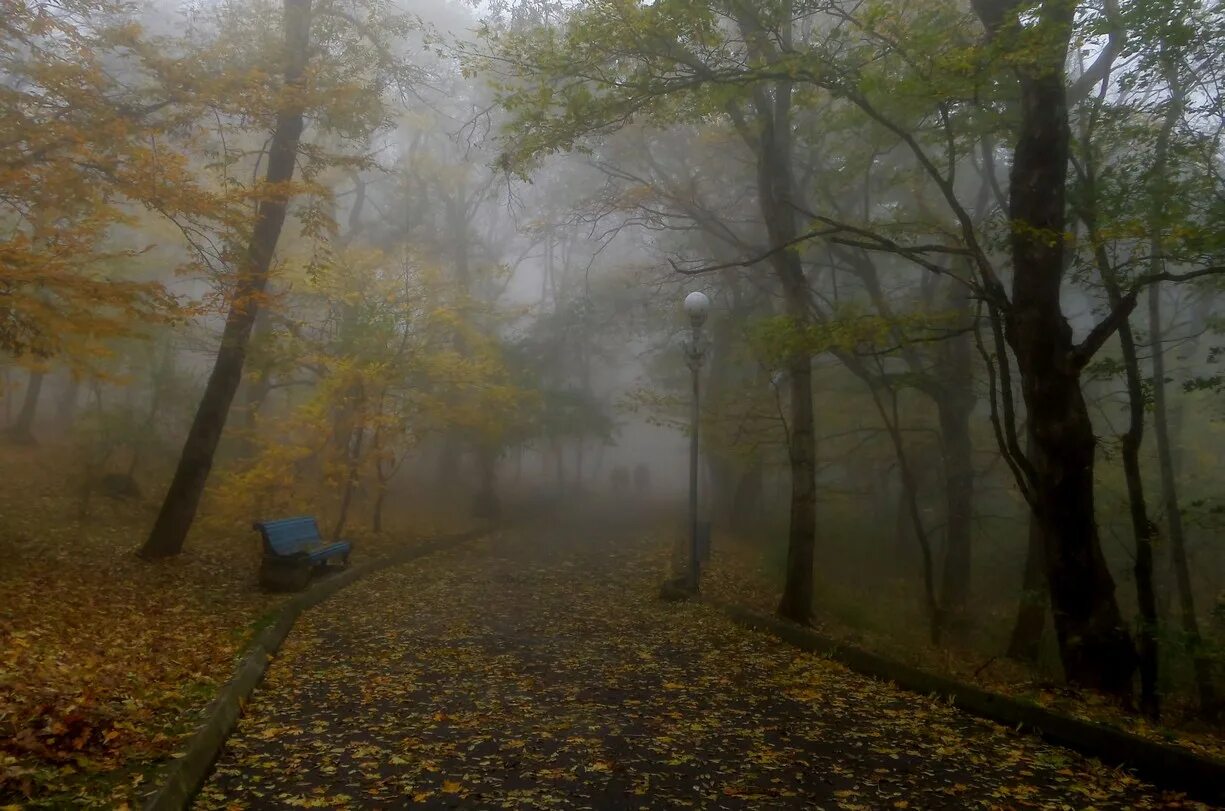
(187, 773)
(1200, 776)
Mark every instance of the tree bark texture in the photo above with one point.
(1095, 646)
(186, 488)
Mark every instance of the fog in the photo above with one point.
(418, 266)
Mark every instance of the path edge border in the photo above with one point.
(186, 774)
(1172, 767)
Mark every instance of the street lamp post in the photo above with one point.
(697, 305)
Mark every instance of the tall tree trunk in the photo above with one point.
(955, 403)
(1204, 684)
(910, 494)
(183, 498)
(1143, 530)
(959, 510)
(796, 602)
(1094, 645)
(346, 499)
(1161, 422)
(382, 480)
(23, 428)
(257, 390)
(770, 138)
(951, 389)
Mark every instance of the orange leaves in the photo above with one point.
(77, 150)
(104, 660)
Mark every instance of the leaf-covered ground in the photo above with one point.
(537, 669)
(106, 660)
(890, 622)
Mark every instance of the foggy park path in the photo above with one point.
(537, 669)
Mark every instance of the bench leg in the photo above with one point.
(281, 574)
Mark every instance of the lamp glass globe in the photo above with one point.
(697, 305)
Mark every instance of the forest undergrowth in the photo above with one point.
(108, 659)
(885, 623)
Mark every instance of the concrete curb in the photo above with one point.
(186, 774)
(1174, 767)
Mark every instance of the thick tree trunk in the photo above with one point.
(22, 431)
(1095, 647)
(1094, 644)
(183, 498)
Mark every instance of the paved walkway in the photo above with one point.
(537, 669)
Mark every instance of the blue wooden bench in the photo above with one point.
(294, 549)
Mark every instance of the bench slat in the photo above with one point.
(286, 536)
(337, 549)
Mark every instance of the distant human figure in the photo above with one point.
(642, 478)
(620, 479)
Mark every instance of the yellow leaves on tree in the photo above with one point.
(81, 153)
(395, 352)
